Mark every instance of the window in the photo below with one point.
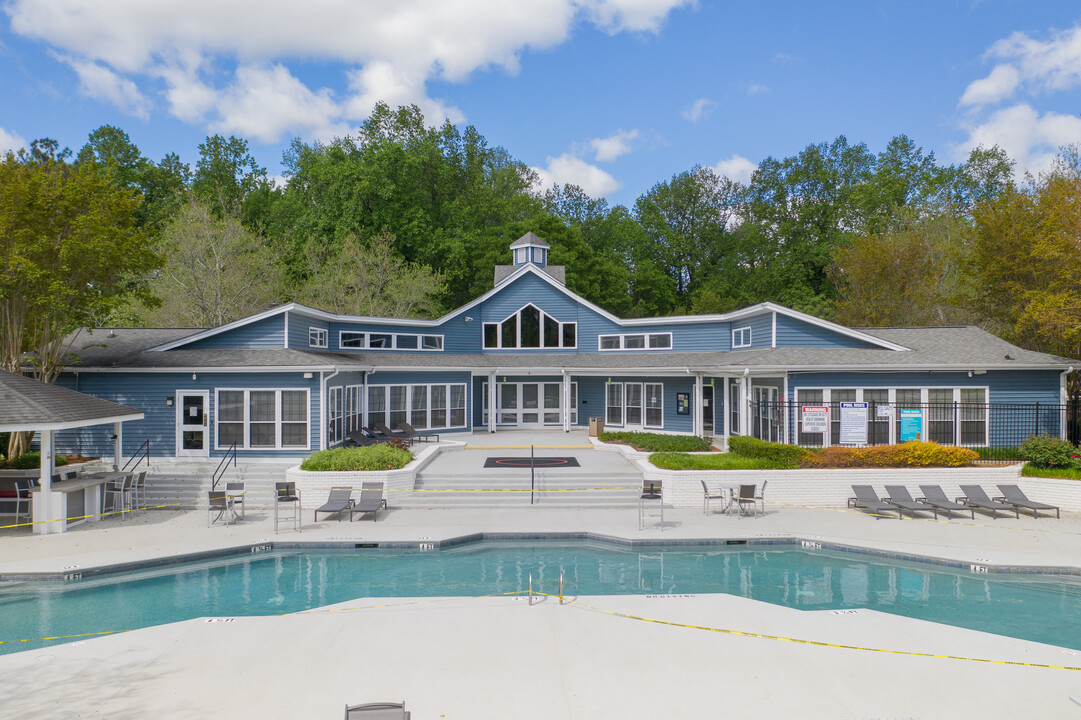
(519, 255)
(613, 402)
(734, 407)
(941, 414)
(355, 340)
(352, 409)
(529, 327)
(741, 337)
(654, 405)
(422, 406)
(973, 416)
(317, 337)
(334, 415)
(262, 419)
(637, 341)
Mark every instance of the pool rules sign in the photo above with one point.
(815, 418)
(853, 423)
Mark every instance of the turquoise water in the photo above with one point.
(1046, 611)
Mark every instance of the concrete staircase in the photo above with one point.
(184, 483)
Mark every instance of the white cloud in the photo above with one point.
(571, 169)
(100, 83)
(757, 89)
(699, 110)
(782, 58)
(385, 50)
(1054, 64)
(11, 141)
(1000, 84)
(736, 168)
(1031, 139)
(609, 148)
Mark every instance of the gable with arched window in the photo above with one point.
(530, 328)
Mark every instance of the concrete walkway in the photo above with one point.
(498, 658)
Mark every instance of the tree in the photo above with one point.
(69, 251)
(374, 281)
(216, 271)
(228, 180)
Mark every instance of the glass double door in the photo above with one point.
(530, 404)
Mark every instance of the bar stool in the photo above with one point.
(286, 497)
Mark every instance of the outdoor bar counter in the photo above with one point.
(71, 502)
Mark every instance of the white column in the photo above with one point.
(699, 428)
(47, 505)
(726, 416)
(566, 402)
(785, 410)
(118, 443)
(745, 407)
(491, 402)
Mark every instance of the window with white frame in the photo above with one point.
(635, 341)
(430, 407)
(357, 340)
(334, 415)
(634, 404)
(262, 419)
(317, 337)
(530, 327)
(741, 337)
(353, 408)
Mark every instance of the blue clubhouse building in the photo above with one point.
(532, 354)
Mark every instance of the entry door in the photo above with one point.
(767, 416)
(192, 438)
(633, 397)
(707, 409)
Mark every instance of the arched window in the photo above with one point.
(530, 327)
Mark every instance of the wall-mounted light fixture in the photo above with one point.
(468, 319)
(308, 376)
(194, 376)
(169, 401)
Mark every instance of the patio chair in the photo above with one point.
(976, 497)
(867, 499)
(235, 491)
(390, 433)
(760, 496)
(707, 496)
(935, 496)
(339, 501)
(377, 711)
(746, 497)
(138, 491)
(359, 438)
(371, 501)
(219, 503)
(19, 497)
(119, 492)
(1013, 495)
(412, 433)
(899, 496)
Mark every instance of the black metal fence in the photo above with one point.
(994, 430)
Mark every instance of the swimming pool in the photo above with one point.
(1031, 608)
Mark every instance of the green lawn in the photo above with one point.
(713, 461)
(1065, 473)
(657, 442)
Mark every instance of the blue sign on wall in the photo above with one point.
(911, 424)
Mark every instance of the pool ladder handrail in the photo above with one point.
(560, 587)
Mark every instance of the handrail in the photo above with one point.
(532, 474)
(561, 586)
(531, 589)
(223, 466)
(142, 453)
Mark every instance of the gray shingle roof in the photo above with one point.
(27, 404)
(529, 239)
(559, 272)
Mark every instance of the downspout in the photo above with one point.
(325, 414)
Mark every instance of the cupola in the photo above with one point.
(529, 249)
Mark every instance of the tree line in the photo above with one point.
(406, 219)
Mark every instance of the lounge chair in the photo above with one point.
(977, 498)
(360, 438)
(707, 496)
(935, 496)
(377, 711)
(371, 501)
(412, 433)
(899, 496)
(867, 499)
(390, 433)
(339, 501)
(1014, 496)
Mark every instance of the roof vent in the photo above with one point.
(112, 334)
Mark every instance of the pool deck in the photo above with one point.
(499, 658)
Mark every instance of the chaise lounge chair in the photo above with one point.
(388, 433)
(935, 496)
(900, 497)
(977, 498)
(1013, 495)
(377, 711)
(411, 432)
(867, 499)
(359, 438)
(339, 501)
(371, 501)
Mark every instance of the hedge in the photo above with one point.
(656, 442)
(1048, 451)
(372, 457)
(32, 460)
(909, 454)
(714, 461)
(781, 454)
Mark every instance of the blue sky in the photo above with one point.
(614, 95)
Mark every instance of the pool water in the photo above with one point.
(1042, 610)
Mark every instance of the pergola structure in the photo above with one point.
(29, 405)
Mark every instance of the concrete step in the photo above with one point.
(187, 482)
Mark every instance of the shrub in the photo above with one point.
(32, 460)
(1047, 451)
(714, 461)
(909, 454)
(656, 442)
(780, 453)
(383, 456)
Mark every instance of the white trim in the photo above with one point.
(286, 334)
(393, 342)
(773, 341)
(246, 422)
(332, 438)
(179, 425)
(740, 331)
(323, 333)
(448, 408)
(36, 427)
(518, 330)
(645, 337)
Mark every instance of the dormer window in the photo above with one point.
(520, 255)
(317, 337)
(741, 337)
(530, 327)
